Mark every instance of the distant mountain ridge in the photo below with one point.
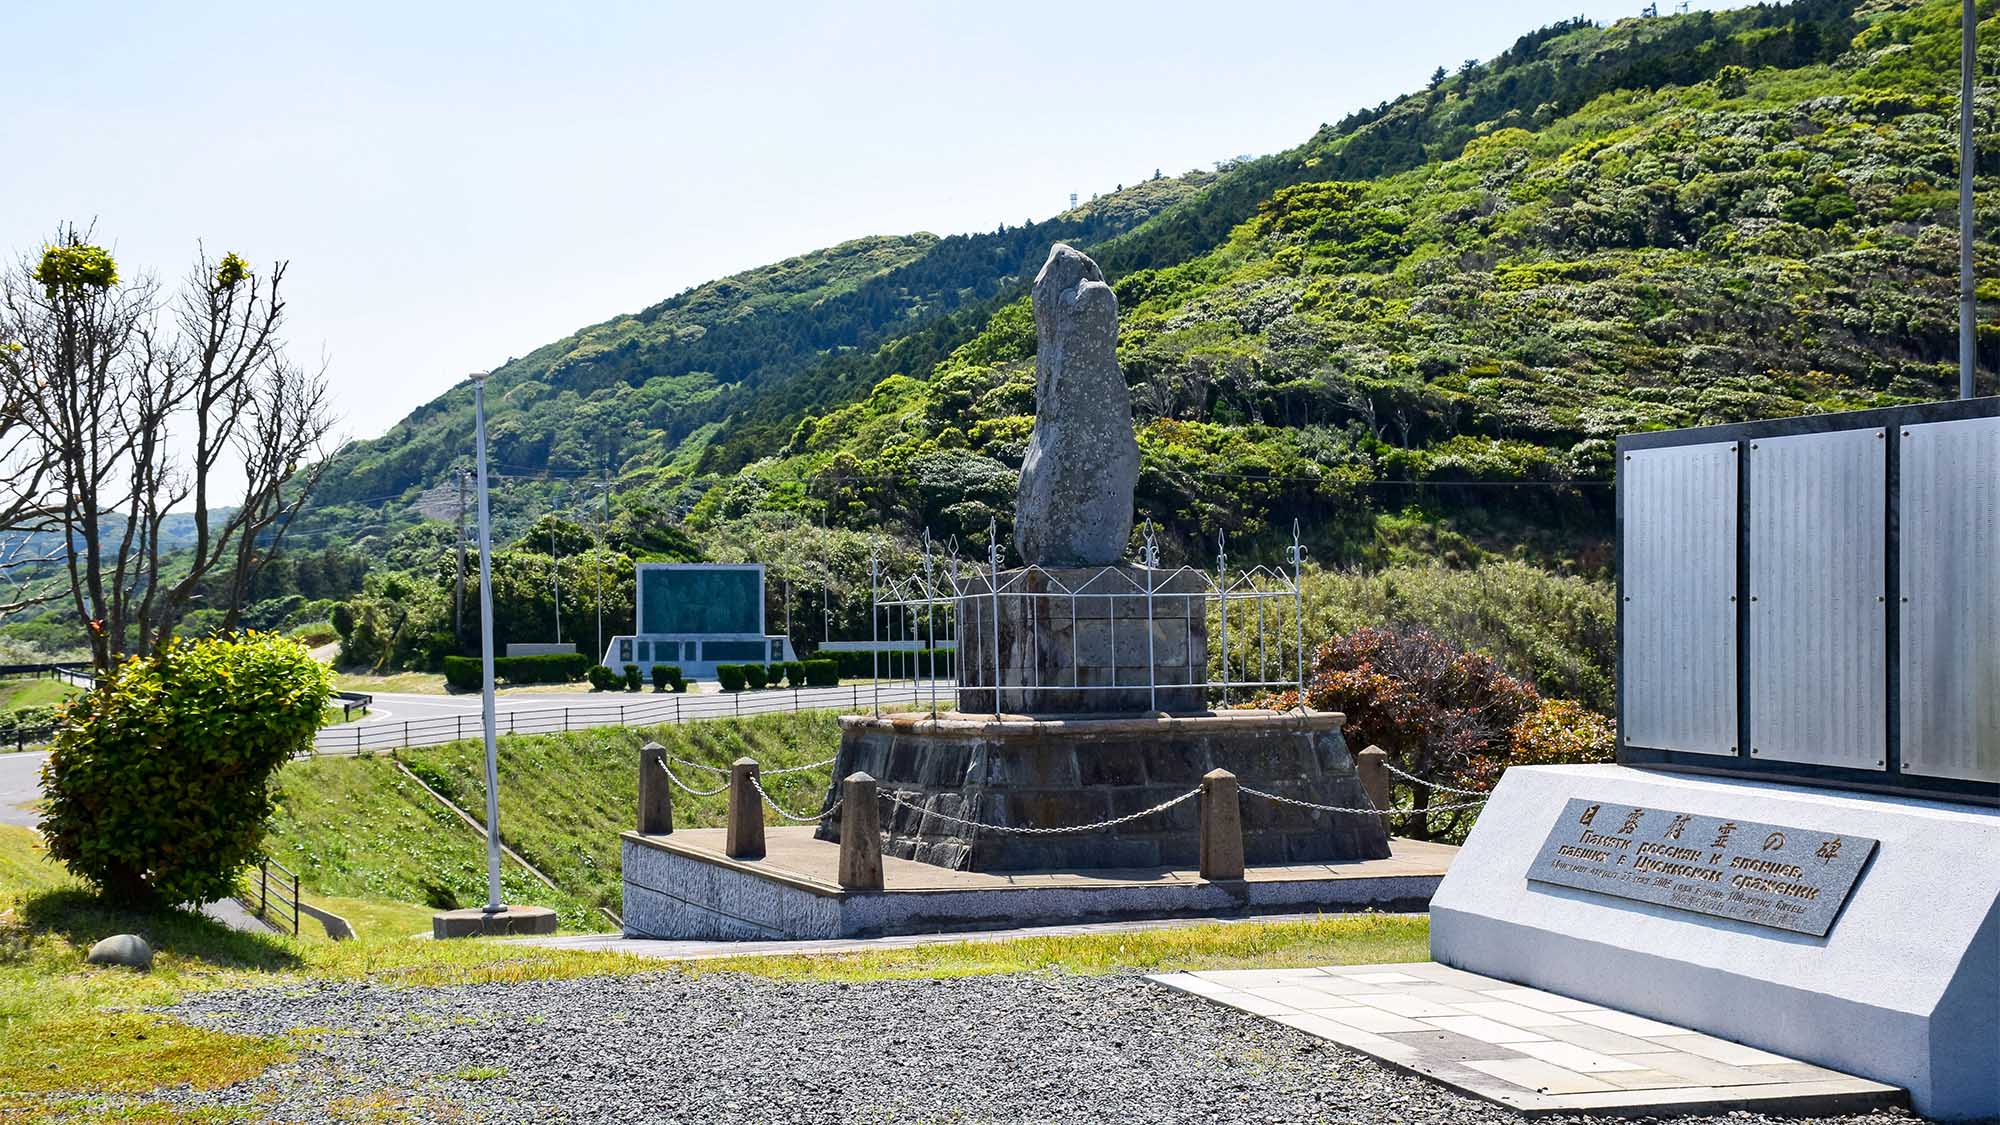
(1447, 304)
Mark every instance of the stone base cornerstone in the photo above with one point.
(1728, 911)
(1017, 770)
(1072, 641)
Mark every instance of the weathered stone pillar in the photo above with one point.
(860, 835)
(1373, 766)
(656, 793)
(744, 839)
(1221, 827)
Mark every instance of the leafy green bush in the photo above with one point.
(795, 673)
(823, 673)
(601, 677)
(29, 724)
(732, 676)
(666, 677)
(758, 676)
(160, 781)
(1562, 732)
(893, 664)
(462, 672)
(632, 677)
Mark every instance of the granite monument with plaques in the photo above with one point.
(1797, 850)
(1083, 689)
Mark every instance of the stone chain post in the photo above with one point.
(1221, 826)
(744, 839)
(860, 835)
(656, 792)
(1372, 764)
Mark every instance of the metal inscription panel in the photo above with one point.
(1949, 517)
(1678, 553)
(1818, 626)
(1786, 878)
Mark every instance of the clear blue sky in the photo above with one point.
(457, 184)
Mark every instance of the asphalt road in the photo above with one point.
(20, 784)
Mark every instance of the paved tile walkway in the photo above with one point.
(1534, 1051)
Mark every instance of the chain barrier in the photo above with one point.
(675, 778)
(1013, 830)
(1371, 810)
(800, 769)
(787, 813)
(719, 771)
(1437, 785)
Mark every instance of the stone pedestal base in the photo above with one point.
(1904, 988)
(1028, 772)
(1086, 640)
(476, 922)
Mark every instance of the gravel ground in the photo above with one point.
(723, 1048)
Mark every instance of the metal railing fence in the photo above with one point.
(663, 710)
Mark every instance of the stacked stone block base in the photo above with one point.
(1023, 771)
(1085, 640)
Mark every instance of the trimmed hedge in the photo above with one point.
(631, 677)
(731, 675)
(462, 672)
(601, 677)
(894, 665)
(667, 677)
(822, 673)
(795, 673)
(757, 675)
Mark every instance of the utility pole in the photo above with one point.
(555, 575)
(602, 526)
(1968, 300)
(495, 917)
(486, 709)
(458, 587)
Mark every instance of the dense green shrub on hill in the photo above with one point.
(466, 672)
(159, 782)
(1557, 632)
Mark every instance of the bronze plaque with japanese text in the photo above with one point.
(1771, 875)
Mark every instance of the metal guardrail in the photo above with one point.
(271, 893)
(436, 731)
(70, 672)
(349, 700)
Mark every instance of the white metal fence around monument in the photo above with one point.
(1262, 605)
(437, 730)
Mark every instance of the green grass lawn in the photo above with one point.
(18, 694)
(564, 798)
(70, 1032)
(357, 828)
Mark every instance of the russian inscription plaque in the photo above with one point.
(1787, 878)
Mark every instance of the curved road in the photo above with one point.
(21, 785)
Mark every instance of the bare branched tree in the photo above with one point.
(134, 422)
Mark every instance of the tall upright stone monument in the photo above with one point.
(1075, 505)
(1083, 690)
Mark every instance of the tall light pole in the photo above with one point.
(1968, 300)
(495, 917)
(486, 709)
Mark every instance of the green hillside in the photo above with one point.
(647, 393)
(1417, 334)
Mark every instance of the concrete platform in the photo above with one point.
(681, 886)
(1533, 1051)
